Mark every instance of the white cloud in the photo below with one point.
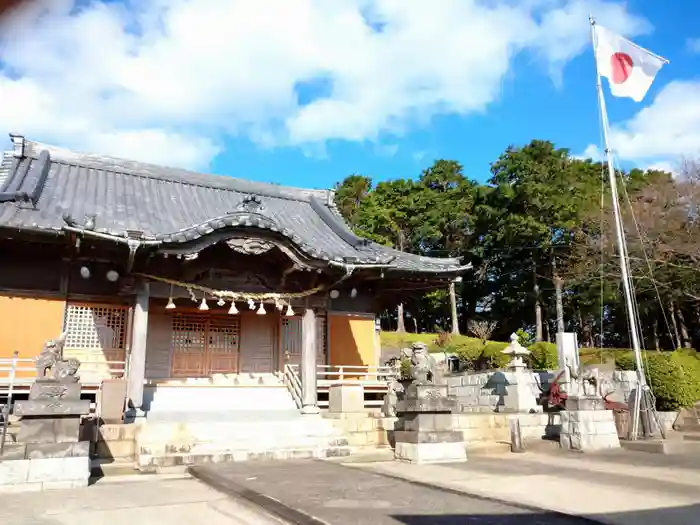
(693, 45)
(168, 80)
(662, 133)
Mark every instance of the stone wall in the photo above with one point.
(370, 431)
(484, 392)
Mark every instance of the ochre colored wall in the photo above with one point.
(351, 340)
(26, 324)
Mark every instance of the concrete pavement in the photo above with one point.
(149, 501)
(618, 487)
(322, 492)
(552, 488)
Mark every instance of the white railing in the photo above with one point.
(293, 383)
(374, 380)
(7, 407)
(367, 376)
(91, 373)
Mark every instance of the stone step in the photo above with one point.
(663, 446)
(154, 463)
(691, 436)
(488, 449)
(244, 435)
(203, 399)
(224, 416)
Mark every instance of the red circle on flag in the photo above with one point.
(622, 65)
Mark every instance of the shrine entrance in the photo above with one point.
(208, 343)
(204, 344)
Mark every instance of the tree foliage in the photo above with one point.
(541, 228)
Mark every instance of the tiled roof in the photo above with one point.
(44, 185)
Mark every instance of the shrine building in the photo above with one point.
(168, 279)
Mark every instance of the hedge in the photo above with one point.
(674, 376)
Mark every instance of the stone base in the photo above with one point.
(40, 429)
(452, 452)
(584, 403)
(26, 475)
(427, 398)
(520, 398)
(346, 398)
(588, 430)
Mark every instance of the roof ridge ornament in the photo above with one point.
(251, 203)
(18, 144)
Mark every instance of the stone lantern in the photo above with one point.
(516, 351)
(519, 392)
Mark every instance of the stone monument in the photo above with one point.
(519, 395)
(49, 450)
(586, 425)
(428, 434)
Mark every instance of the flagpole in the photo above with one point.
(622, 248)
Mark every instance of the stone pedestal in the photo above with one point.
(519, 397)
(50, 453)
(346, 398)
(586, 425)
(428, 434)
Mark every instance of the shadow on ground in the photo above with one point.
(686, 515)
(320, 492)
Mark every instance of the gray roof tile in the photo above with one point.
(175, 206)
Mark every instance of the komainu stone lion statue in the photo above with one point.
(423, 366)
(51, 358)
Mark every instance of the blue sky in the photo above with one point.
(315, 94)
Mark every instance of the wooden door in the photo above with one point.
(189, 345)
(290, 340)
(258, 342)
(223, 337)
(204, 344)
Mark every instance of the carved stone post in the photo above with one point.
(137, 357)
(308, 363)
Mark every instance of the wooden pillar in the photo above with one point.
(309, 397)
(137, 356)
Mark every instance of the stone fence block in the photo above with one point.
(59, 469)
(454, 381)
(14, 471)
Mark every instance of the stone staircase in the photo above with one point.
(688, 424)
(244, 392)
(215, 423)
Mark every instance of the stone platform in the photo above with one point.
(587, 426)
(428, 434)
(49, 453)
(237, 436)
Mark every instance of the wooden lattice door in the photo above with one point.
(223, 343)
(290, 340)
(204, 345)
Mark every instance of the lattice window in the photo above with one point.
(321, 340)
(292, 339)
(189, 333)
(291, 336)
(95, 327)
(224, 334)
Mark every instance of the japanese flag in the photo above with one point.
(630, 69)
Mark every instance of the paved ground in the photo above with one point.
(620, 488)
(341, 495)
(152, 502)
